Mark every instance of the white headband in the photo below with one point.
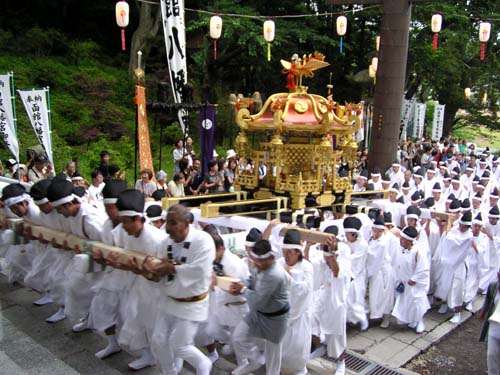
(129, 213)
(66, 199)
(249, 243)
(110, 200)
(405, 236)
(379, 226)
(292, 246)
(41, 201)
(267, 255)
(17, 199)
(412, 216)
(350, 230)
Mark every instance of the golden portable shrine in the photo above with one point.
(306, 137)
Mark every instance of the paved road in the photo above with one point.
(28, 345)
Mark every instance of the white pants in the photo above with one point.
(335, 345)
(173, 338)
(493, 356)
(246, 346)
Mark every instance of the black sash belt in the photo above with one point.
(283, 311)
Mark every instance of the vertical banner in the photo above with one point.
(172, 12)
(419, 120)
(207, 134)
(8, 114)
(36, 104)
(145, 158)
(438, 121)
(360, 134)
(406, 113)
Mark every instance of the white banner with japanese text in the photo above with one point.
(7, 114)
(172, 12)
(35, 103)
(406, 112)
(438, 121)
(419, 120)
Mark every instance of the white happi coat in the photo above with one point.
(472, 268)
(227, 310)
(331, 304)
(88, 224)
(297, 341)
(46, 258)
(19, 257)
(356, 309)
(144, 297)
(380, 277)
(449, 264)
(108, 305)
(411, 305)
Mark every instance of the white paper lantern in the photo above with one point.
(467, 93)
(371, 72)
(484, 31)
(122, 18)
(122, 13)
(377, 42)
(375, 63)
(341, 25)
(269, 31)
(436, 22)
(215, 27)
(484, 36)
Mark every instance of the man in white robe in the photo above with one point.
(186, 270)
(450, 266)
(356, 309)
(297, 341)
(138, 317)
(84, 221)
(379, 273)
(412, 282)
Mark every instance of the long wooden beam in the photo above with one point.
(197, 200)
(242, 208)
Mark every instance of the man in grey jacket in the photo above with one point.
(267, 293)
(491, 327)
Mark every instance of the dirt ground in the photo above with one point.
(459, 353)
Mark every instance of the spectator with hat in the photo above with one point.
(41, 169)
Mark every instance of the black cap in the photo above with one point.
(466, 218)
(352, 224)
(130, 203)
(159, 194)
(60, 192)
(39, 191)
(12, 191)
(414, 211)
(429, 202)
(292, 240)
(252, 237)
(465, 204)
(437, 187)
(409, 233)
(154, 211)
(415, 197)
(379, 222)
(401, 199)
(79, 191)
(494, 212)
(388, 218)
(455, 205)
(112, 190)
(332, 229)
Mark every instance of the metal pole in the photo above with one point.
(50, 125)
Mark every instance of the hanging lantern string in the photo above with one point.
(353, 11)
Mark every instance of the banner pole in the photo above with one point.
(47, 90)
(14, 119)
